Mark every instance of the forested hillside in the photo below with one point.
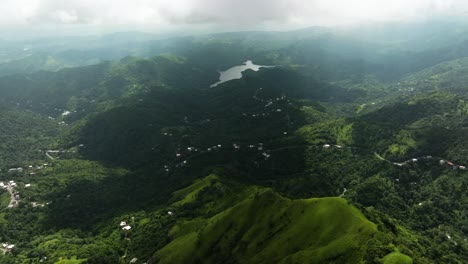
(329, 156)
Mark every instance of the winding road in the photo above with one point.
(182, 159)
(13, 201)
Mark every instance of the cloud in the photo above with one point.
(244, 13)
(240, 11)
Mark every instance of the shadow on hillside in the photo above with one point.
(85, 203)
(143, 134)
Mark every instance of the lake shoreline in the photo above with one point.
(235, 72)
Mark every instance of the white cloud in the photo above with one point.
(15, 12)
(245, 13)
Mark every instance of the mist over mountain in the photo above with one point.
(233, 132)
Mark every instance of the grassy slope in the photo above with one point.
(310, 230)
(442, 71)
(190, 193)
(397, 258)
(4, 198)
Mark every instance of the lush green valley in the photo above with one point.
(327, 157)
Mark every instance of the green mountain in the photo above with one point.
(284, 230)
(324, 158)
(386, 50)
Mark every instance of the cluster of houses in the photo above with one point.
(36, 204)
(15, 197)
(7, 247)
(441, 162)
(266, 155)
(413, 160)
(269, 102)
(125, 226)
(277, 110)
(9, 186)
(31, 169)
(215, 147)
(183, 154)
(16, 170)
(188, 150)
(451, 164)
(327, 146)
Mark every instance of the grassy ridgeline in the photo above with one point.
(268, 228)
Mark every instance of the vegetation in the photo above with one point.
(308, 161)
(316, 230)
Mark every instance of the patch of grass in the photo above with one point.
(268, 228)
(397, 258)
(72, 260)
(190, 193)
(180, 250)
(4, 198)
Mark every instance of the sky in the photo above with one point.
(212, 15)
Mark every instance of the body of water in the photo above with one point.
(236, 72)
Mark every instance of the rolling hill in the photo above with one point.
(324, 158)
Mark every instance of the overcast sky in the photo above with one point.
(218, 15)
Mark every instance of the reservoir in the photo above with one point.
(236, 72)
